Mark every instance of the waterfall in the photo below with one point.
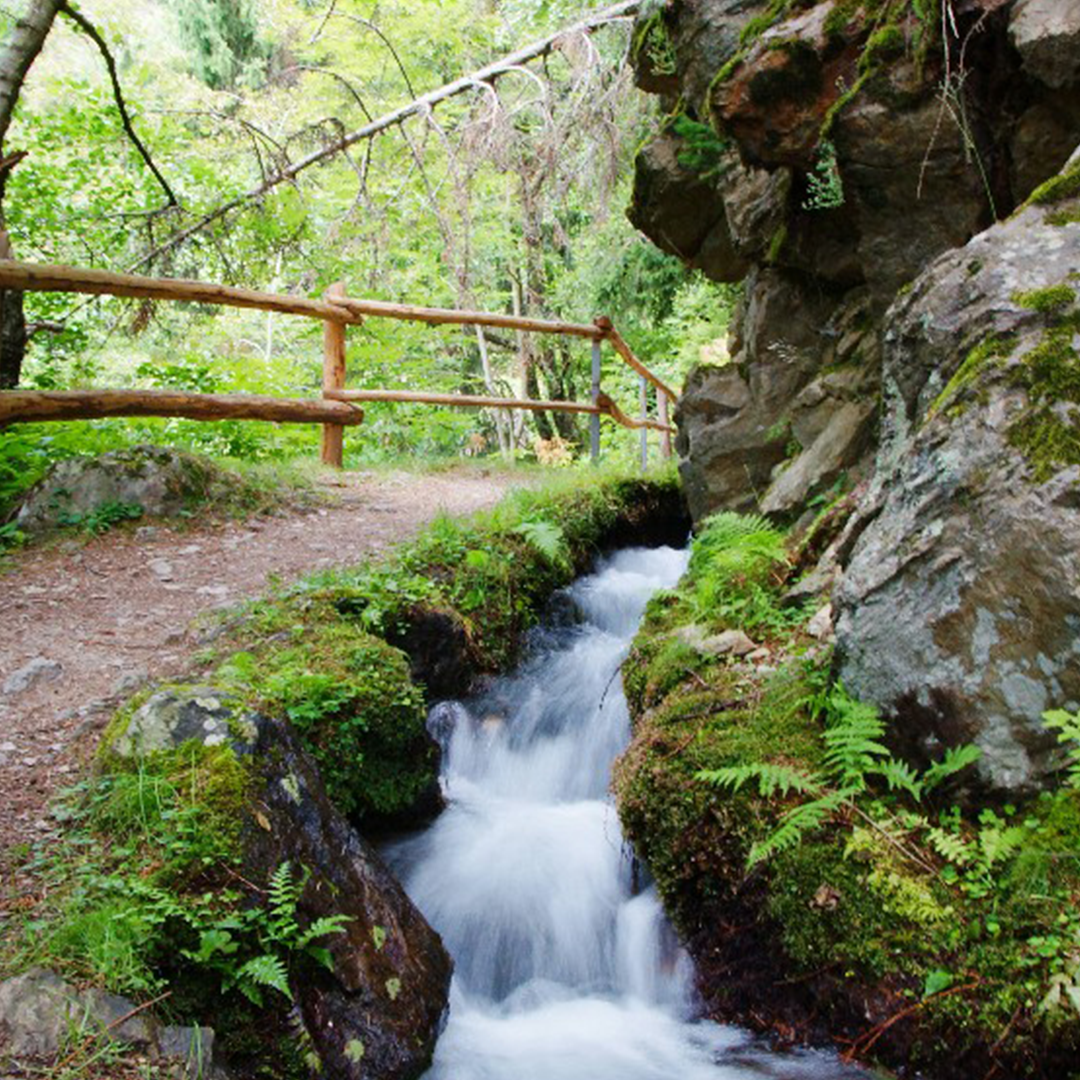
(562, 970)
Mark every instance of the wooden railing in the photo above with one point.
(338, 407)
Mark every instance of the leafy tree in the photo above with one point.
(223, 42)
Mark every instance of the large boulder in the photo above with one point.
(152, 480)
(959, 612)
(839, 169)
(379, 1012)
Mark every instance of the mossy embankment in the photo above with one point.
(150, 891)
(829, 891)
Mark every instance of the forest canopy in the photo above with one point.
(508, 197)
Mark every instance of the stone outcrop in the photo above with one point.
(155, 480)
(40, 1014)
(959, 612)
(378, 1013)
(836, 171)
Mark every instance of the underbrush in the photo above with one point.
(145, 893)
(817, 875)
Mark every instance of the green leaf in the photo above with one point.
(937, 981)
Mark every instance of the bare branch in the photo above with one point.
(91, 32)
(418, 105)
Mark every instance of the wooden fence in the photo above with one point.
(338, 407)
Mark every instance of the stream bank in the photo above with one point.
(195, 865)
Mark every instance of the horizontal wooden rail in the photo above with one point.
(624, 350)
(28, 406)
(451, 316)
(604, 406)
(43, 277)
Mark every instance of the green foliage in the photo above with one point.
(351, 698)
(103, 518)
(1053, 298)
(222, 37)
(824, 186)
(702, 150)
(733, 567)
(1067, 726)
(853, 757)
(273, 931)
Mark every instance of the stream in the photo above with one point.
(563, 969)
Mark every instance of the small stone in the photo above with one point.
(190, 549)
(8, 748)
(759, 655)
(146, 533)
(29, 762)
(130, 681)
(820, 626)
(728, 643)
(37, 671)
(161, 569)
(217, 591)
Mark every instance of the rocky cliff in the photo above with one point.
(865, 168)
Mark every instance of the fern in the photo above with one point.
(955, 759)
(951, 846)
(546, 538)
(900, 776)
(1067, 725)
(796, 823)
(852, 749)
(266, 970)
(771, 778)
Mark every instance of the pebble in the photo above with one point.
(191, 549)
(39, 670)
(162, 569)
(213, 590)
(146, 532)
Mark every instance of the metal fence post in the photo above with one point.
(594, 420)
(664, 417)
(644, 395)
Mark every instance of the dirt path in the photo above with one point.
(99, 620)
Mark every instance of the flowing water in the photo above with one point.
(562, 970)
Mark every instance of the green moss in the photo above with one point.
(968, 372)
(1066, 185)
(353, 701)
(883, 45)
(1047, 301)
(776, 244)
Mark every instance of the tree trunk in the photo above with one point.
(16, 55)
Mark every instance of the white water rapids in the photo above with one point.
(561, 971)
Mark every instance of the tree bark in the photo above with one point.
(17, 54)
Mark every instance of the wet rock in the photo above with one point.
(957, 611)
(157, 480)
(36, 672)
(387, 993)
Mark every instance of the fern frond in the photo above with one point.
(1067, 725)
(899, 775)
(324, 927)
(771, 778)
(796, 823)
(950, 846)
(955, 759)
(852, 748)
(547, 538)
(265, 970)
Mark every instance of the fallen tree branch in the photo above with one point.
(382, 123)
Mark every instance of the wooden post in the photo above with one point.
(594, 420)
(644, 396)
(665, 436)
(333, 435)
